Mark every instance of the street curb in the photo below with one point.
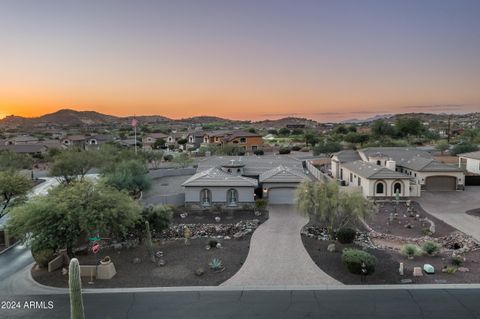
(9, 247)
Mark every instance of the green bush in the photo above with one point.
(296, 148)
(258, 152)
(43, 256)
(430, 247)
(284, 151)
(457, 260)
(353, 259)
(346, 235)
(410, 250)
(168, 157)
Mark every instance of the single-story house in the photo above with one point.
(472, 161)
(214, 187)
(236, 181)
(414, 169)
(33, 149)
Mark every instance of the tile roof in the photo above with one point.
(254, 165)
(282, 174)
(472, 155)
(216, 177)
(347, 156)
(29, 148)
(371, 171)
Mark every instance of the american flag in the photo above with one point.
(134, 122)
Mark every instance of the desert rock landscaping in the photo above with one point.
(405, 236)
(197, 249)
(185, 265)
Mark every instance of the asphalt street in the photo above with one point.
(359, 304)
(13, 260)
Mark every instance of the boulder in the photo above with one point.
(429, 269)
(331, 248)
(417, 272)
(463, 269)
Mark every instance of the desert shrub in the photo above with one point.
(451, 270)
(43, 256)
(296, 148)
(168, 157)
(258, 152)
(346, 235)
(212, 243)
(261, 204)
(353, 259)
(284, 151)
(456, 260)
(430, 247)
(410, 250)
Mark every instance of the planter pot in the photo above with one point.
(105, 261)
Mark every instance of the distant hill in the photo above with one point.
(67, 117)
(205, 119)
(370, 119)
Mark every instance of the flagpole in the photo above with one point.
(135, 139)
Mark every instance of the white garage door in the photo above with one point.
(281, 196)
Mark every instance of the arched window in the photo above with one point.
(205, 197)
(232, 197)
(397, 187)
(380, 188)
(379, 163)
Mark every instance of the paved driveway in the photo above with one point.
(451, 207)
(277, 256)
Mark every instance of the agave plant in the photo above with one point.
(216, 264)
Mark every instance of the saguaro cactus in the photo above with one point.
(148, 242)
(75, 287)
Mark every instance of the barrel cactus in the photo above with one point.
(148, 242)
(75, 287)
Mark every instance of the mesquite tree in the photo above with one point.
(331, 207)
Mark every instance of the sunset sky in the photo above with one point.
(326, 60)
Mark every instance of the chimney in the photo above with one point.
(391, 164)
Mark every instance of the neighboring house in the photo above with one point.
(245, 140)
(22, 140)
(128, 142)
(151, 138)
(173, 138)
(472, 162)
(75, 141)
(99, 139)
(408, 170)
(33, 149)
(236, 181)
(195, 139)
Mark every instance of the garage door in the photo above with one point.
(441, 183)
(281, 196)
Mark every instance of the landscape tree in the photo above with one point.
(284, 131)
(442, 146)
(311, 139)
(130, 175)
(12, 185)
(356, 138)
(471, 135)
(381, 128)
(154, 158)
(182, 141)
(159, 144)
(73, 165)
(68, 213)
(331, 207)
(183, 160)
(159, 216)
(409, 126)
(297, 131)
(13, 161)
(327, 148)
(273, 132)
(340, 129)
(252, 130)
(463, 147)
